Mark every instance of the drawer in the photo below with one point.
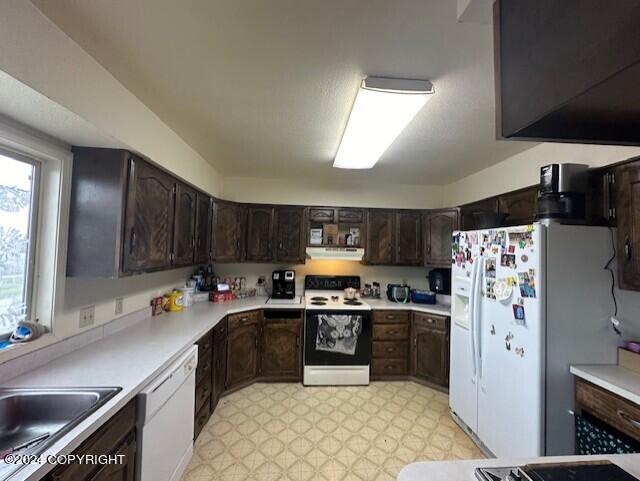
(390, 332)
(321, 214)
(382, 317)
(390, 349)
(243, 319)
(432, 320)
(200, 420)
(389, 367)
(351, 215)
(204, 366)
(606, 406)
(203, 393)
(205, 343)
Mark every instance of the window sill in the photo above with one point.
(21, 349)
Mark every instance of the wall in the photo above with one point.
(413, 276)
(523, 169)
(318, 192)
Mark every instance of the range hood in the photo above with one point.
(336, 253)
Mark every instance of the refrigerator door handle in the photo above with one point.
(472, 313)
(477, 318)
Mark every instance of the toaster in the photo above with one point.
(398, 293)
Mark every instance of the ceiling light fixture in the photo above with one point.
(382, 109)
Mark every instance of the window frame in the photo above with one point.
(34, 221)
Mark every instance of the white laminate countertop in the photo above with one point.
(464, 470)
(133, 357)
(617, 379)
(441, 308)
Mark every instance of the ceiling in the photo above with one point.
(264, 88)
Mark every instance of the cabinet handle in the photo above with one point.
(628, 419)
(217, 363)
(393, 333)
(391, 349)
(415, 341)
(430, 321)
(132, 240)
(389, 366)
(244, 319)
(298, 341)
(390, 317)
(627, 250)
(280, 245)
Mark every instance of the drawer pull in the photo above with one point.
(390, 316)
(389, 366)
(244, 319)
(391, 349)
(628, 419)
(393, 333)
(430, 321)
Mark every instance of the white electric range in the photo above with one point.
(337, 332)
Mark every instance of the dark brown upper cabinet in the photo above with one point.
(184, 226)
(469, 212)
(568, 70)
(408, 238)
(259, 233)
(380, 236)
(438, 230)
(322, 215)
(627, 203)
(290, 235)
(520, 206)
(227, 232)
(204, 206)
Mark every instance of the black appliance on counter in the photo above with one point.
(440, 281)
(398, 293)
(284, 284)
(562, 194)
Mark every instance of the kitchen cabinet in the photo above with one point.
(227, 230)
(242, 349)
(281, 345)
(438, 231)
(289, 234)
(204, 206)
(204, 383)
(259, 233)
(408, 238)
(568, 70)
(430, 348)
(219, 368)
(469, 212)
(627, 205)
(184, 225)
(520, 206)
(116, 436)
(390, 345)
(380, 236)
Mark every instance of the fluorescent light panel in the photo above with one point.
(382, 109)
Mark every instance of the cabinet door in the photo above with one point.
(430, 353)
(467, 217)
(438, 229)
(148, 219)
(627, 196)
(184, 226)
(259, 234)
(281, 351)
(203, 228)
(379, 237)
(120, 471)
(290, 235)
(521, 206)
(227, 232)
(409, 238)
(219, 371)
(242, 355)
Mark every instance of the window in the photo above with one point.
(19, 180)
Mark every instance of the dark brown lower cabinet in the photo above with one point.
(430, 348)
(219, 371)
(116, 436)
(202, 410)
(242, 350)
(390, 349)
(281, 346)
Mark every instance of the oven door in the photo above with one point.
(337, 338)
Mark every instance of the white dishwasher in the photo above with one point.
(165, 421)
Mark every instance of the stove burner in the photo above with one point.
(319, 303)
(352, 302)
(335, 298)
(319, 298)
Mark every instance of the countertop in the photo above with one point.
(464, 470)
(133, 357)
(441, 308)
(617, 379)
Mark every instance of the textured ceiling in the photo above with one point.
(264, 88)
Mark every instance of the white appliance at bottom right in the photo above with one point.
(527, 302)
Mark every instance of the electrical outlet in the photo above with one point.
(119, 308)
(87, 316)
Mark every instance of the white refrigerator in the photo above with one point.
(527, 302)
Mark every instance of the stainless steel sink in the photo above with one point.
(33, 419)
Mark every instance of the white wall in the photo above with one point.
(319, 192)
(523, 169)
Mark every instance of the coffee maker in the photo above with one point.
(284, 284)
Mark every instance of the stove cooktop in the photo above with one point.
(332, 300)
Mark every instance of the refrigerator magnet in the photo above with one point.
(493, 330)
(520, 351)
(524, 257)
(502, 289)
(489, 289)
(518, 313)
(508, 260)
(511, 249)
(527, 284)
(490, 268)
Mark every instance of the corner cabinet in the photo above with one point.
(430, 348)
(281, 345)
(242, 349)
(438, 230)
(228, 226)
